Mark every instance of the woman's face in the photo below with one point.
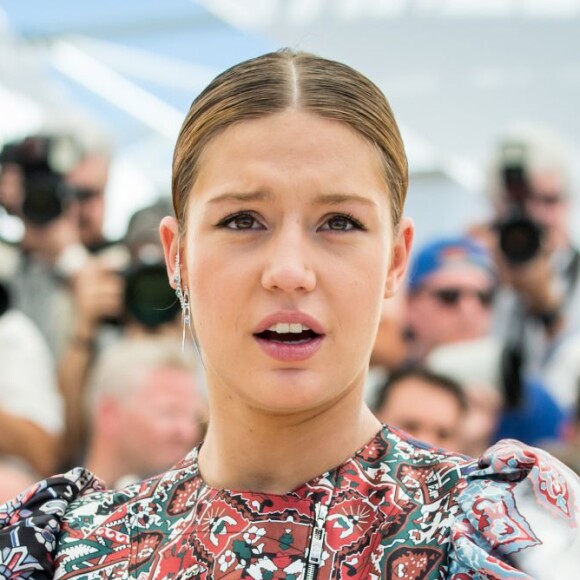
(288, 253)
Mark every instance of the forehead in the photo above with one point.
(290, 145)
(549, 180)
(92, 171)
(413, 393)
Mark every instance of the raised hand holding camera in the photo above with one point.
(98, 294)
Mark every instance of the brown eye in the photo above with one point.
(341, 223)
(241, 221)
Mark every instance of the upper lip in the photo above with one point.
(290, 317)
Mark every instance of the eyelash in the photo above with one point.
(356, 224)
(228, 220)
(225, 222)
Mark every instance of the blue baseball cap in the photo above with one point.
(448, 253)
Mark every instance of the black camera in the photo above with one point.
(44, 161)
(149, 298)
(4, 298)
(520, 237)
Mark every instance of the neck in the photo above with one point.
(246, 449)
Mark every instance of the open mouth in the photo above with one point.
(288, 334)
(289, 341)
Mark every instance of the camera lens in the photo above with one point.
(43, 201)
(520, 239)
(148, 296)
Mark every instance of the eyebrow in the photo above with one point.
(338, 198)
(325, 199)
(245, 196)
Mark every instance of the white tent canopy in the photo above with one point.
(457, 72)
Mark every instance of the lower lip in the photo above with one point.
(290, 352)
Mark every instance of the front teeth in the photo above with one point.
(286, 328)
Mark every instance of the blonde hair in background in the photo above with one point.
(122, 368)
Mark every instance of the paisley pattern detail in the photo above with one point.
(29, 524)
(550, 486)
(498, 518)
(411, 563)
(396, 509)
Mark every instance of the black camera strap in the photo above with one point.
(513, 355)
(571, 274)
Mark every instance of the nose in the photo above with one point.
(287, 266)
(470, 303)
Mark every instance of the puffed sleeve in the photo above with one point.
(519, 518)
(30, 523)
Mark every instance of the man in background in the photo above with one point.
(55, 184)
(451, 286)
(428, 406)
(538, 303)
(145, 410)
(451, 298)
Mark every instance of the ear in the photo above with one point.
(400, 256)
(107, 416)
(169, 233)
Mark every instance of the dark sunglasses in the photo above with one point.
(547, 199)
(452, 296)
(87, 193)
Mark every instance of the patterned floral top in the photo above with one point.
(396, 509)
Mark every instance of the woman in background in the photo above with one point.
(289, 180)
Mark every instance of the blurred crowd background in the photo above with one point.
(482, 343)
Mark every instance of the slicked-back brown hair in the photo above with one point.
(282, 80)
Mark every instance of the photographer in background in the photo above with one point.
(64, 273)
(90, 176)
(451, 287)
(55, 184)
(147, 308)
(538, 305)
(150, 305)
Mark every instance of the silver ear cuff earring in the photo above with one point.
(183, 297)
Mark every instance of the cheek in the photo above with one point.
(368, 271)
(212, 288)
(139, 422)
(367, 295)
(485, 319)
(137, 434)
(358, 308)
(547, 215)
(423, 315)
(557, 216)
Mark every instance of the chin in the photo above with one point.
(290, 403)
(295, 400)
